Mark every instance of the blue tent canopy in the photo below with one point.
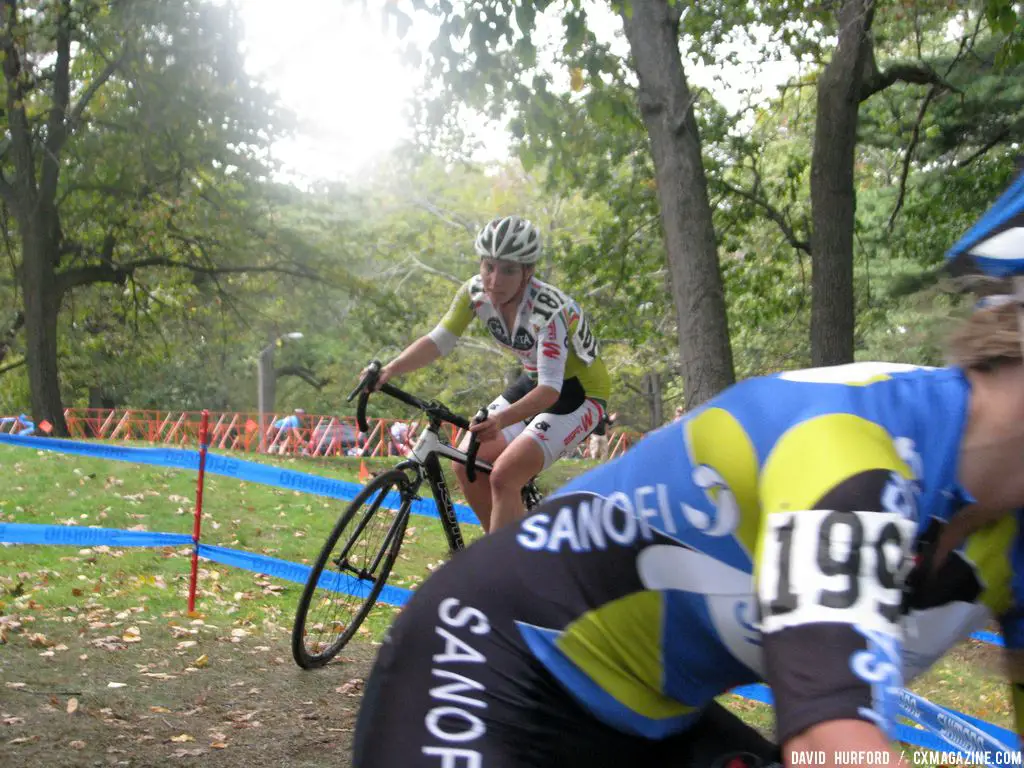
(995, 245)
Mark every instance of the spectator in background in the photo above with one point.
(679, 411)
(287, 429)
(600, 438)
(399, 439)
(22, 425)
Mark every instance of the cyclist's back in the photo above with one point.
(609, 619)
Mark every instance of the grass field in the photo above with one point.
(218, 686)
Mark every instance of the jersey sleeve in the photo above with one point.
(830, 563)
(455, 321)
(552, 352)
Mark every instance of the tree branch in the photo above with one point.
(908, 156)
(119, 273)
(904, 72)
(303, 373)
(438, 272)
(57, 124)
(94, 86)
(448, 217)
(12, 366)
(774, 215)
(985, 148)
(18, 322)
(17, 120)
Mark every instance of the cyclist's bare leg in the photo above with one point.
(478, 494)
(520, 461)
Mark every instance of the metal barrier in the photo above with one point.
(318, 435)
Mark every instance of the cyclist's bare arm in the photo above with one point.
(419, 354)
(841, 737)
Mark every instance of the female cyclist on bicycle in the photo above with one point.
(561, 396)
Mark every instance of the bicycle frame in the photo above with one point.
(424, 460)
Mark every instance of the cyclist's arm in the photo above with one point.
(420, 353)
(438, 342)
(455, 321)
(537, 400)
(830, 565)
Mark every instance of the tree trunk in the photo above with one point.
(652, 28)
(652, 386)
(42, 305)
(833, 197)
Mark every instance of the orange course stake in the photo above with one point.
(204, 426)
(364, 473)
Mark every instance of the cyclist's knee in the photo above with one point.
(507, 478)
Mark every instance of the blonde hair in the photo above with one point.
(992, 334)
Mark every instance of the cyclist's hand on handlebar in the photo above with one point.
(488, 430)
(383, 375)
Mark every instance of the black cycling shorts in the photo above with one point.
(455, 687)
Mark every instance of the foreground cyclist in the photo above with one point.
(561, 396)
(598, 632)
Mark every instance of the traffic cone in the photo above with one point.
(364, 473)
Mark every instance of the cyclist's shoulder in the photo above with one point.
(470, 295)
(537, 287)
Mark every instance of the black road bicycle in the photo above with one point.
(346, 581)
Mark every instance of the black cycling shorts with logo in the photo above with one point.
(454, 686)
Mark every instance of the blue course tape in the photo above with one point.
(945, 728)
(988, 637)
(961, 732)
(160, 457)
(30, 533)
(283, 569)
(227, 466)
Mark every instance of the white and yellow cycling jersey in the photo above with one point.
(552, 337)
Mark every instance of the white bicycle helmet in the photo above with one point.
(509, 238)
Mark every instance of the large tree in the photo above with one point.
(134, 141)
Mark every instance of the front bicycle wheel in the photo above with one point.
(347, 579)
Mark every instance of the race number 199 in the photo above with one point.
(828, 566)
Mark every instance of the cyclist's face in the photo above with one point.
(502, 279)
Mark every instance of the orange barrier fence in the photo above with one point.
(316, 435)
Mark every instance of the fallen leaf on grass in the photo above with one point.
(132, 635)
(24, 739)
(72, 705)
(159, 709)
(352, 686)
(201, 662)
(218, 745)
(181, 738)
(117, 685)
(77, 745)
(15, 685)
(188, 752)
(109, 643)
(12, 720)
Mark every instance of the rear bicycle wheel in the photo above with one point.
(351, 570)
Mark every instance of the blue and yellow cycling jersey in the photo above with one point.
(767, 536)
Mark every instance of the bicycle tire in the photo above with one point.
(391, 480)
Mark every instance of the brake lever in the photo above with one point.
(474, 446)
